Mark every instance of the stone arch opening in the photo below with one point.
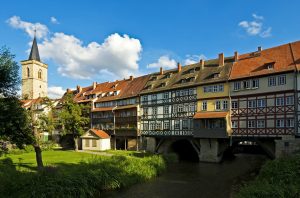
(185, 150)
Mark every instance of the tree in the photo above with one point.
(15, 122)
(72, 119)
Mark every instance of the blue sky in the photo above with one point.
(101, 41)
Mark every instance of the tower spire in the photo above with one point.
(34, 53)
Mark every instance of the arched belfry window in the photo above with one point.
(40, 74)
(28, 72)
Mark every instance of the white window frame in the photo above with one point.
(215, 88)
(225, 104)
(166, 110)
(234, 105)
(290, 123)
(251, 104)
(185, 124)
(154, 110)
(218, 105)
(272, 81)
(280, 123)
(180, 108)
(236, 86)
(204, 105)
(282, 80)
(234, 124)
(166, 95)
(246, 84)
(261, 103)
(251, 124)
(289, 100)
(255, 83)
(279, 101)
(221, 88)
(167, 125)
(177, 124)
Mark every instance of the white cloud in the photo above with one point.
(256, 27)
(55, 92)
(191, 59)
(29, 28)
(163, 61)
(117, 54)
(54, 20)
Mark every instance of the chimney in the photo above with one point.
(236, 56)
(68, 90)
(94, 85)
(202, 64)
(161, 72)
(131, 78)
(179, 67)
(79, 89)
(259, 48)
(221, 59)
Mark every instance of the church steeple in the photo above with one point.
(34, 53)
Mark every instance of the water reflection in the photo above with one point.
(189, 180)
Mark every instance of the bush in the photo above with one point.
(45, 146)
(278, 178)
(86, 179)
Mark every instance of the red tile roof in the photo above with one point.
(213, 114)
(283, 57)
(101, 134)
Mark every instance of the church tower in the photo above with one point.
(34, 75)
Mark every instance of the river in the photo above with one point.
(188, 180)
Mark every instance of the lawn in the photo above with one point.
(50, 158)
(75, 174)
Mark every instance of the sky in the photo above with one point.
(85, 41)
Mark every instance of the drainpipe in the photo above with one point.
(296, 102)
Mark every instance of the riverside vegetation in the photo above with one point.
(279, 178)
(73, 174)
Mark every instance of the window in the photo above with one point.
(260, 124)
(234, 105)
(145, 111)
(215, 88)
(192, 91)
(152, 125)
(40, 74)
(290, 123)
(180, 108)
(221, 88)
(166, 125)
(158, 126)
(255, 83)
(145, 98)
(281, 80)
(87, 143)
(185, 124)
(270, 66)
(261, 103)
(94, 143)
(204, 105)
(236, 86)
(279, 101)
(192, 107)
(166, 109)
(279, 123)
(289, 100)
(251, 124)
(225, 104)
(154, 110)
(251, 103)
(234, 124)
(246, 84)
(218, 105)
(153, 97)
(272, 81)
(177, 124)
(28, 72)
(166, 95)
(146, 126)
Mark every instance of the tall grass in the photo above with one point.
(86, 179)
(279, 178)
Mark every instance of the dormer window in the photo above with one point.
(168, 75)
(162, 84)
(115, 85)
(153, 78)
(270, 66)
(216, 75)
(182, 81)
(191, 79)
(148, 87)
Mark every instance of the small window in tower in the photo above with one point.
(40, 86)
(40, 74)
(28, 72)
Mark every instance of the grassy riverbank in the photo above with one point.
(72, 174)
(277, 178)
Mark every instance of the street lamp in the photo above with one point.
(114, 126)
